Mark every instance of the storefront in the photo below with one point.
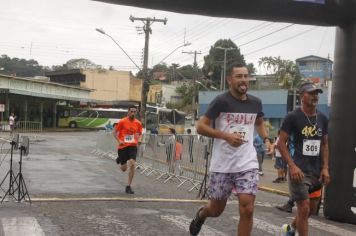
(35, 100)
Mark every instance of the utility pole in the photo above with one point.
(145, 83)
(194, 79)
(224, 74)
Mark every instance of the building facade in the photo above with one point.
(107, 85)
(316, 69)
(36, 100)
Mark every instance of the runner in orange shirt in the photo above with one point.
(128, 133)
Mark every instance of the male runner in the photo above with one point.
(128, 133)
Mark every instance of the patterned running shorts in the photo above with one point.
(221, 184)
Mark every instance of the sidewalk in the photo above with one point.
(270, 174)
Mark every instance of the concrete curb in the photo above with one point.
(272, 190)
(117, 199)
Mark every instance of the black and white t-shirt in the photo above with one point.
(307, 133)
(232, 115)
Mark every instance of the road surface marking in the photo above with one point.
(16, 226)
(264, 226)
(183, 222)
(328, 227)
(133, 199)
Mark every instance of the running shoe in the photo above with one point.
(286, 208)
(196, 224)
(129, 190)
(287, 230)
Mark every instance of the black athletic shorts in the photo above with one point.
(126, 154)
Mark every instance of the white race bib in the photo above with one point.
(243, 130)
(129, 139)
(311, 147)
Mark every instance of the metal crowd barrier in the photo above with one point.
(106, 145)
(157, 156)
(23, 126)
(28, 126)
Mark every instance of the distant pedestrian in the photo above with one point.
(190, 145)
(261, 152)
(280, 165)
(12, 122)
(128, 133)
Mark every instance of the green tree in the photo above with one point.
(186, 91)
(80, 63)
(214, 61)
(20, 67)
(286, 71)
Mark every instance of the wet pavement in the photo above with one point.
(74, 192)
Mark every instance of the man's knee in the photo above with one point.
(132, 164)
(214, 208)
(246, 206)
(246, 211)
(123, 167)
(303, 208)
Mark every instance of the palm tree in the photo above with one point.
(286, 71)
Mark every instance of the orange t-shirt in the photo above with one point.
(178, 151)
(129, 132)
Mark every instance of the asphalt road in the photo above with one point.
(75, 192)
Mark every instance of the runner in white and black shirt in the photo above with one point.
(230, 119)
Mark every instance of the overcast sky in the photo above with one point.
(54, 31)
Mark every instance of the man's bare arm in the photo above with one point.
(295, 173)
(324, 175)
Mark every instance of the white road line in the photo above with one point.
(103, 222)
(16, 226)
(329, 228)
(264, 226)
(183, 222)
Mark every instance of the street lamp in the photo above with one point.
(103, 32)
(204, 86)
(184, 45)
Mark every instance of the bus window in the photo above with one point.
(65, 114)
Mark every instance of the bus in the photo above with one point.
(89, 117)
(162, 119)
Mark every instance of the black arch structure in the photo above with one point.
(340, 196)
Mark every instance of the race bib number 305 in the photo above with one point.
(311, 147)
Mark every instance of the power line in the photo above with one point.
(266, 35)
(282, 41)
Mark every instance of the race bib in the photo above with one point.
(242, 130)
(311, 147)
(129, 139)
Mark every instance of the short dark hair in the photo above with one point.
(131, 107)
(234, 65)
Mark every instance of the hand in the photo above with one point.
(324, 176)
(296, 174)
(234, 139)
(269, 147)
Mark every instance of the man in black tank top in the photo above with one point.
(309, 166)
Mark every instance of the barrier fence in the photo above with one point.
(182, 159)
(23, 126)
